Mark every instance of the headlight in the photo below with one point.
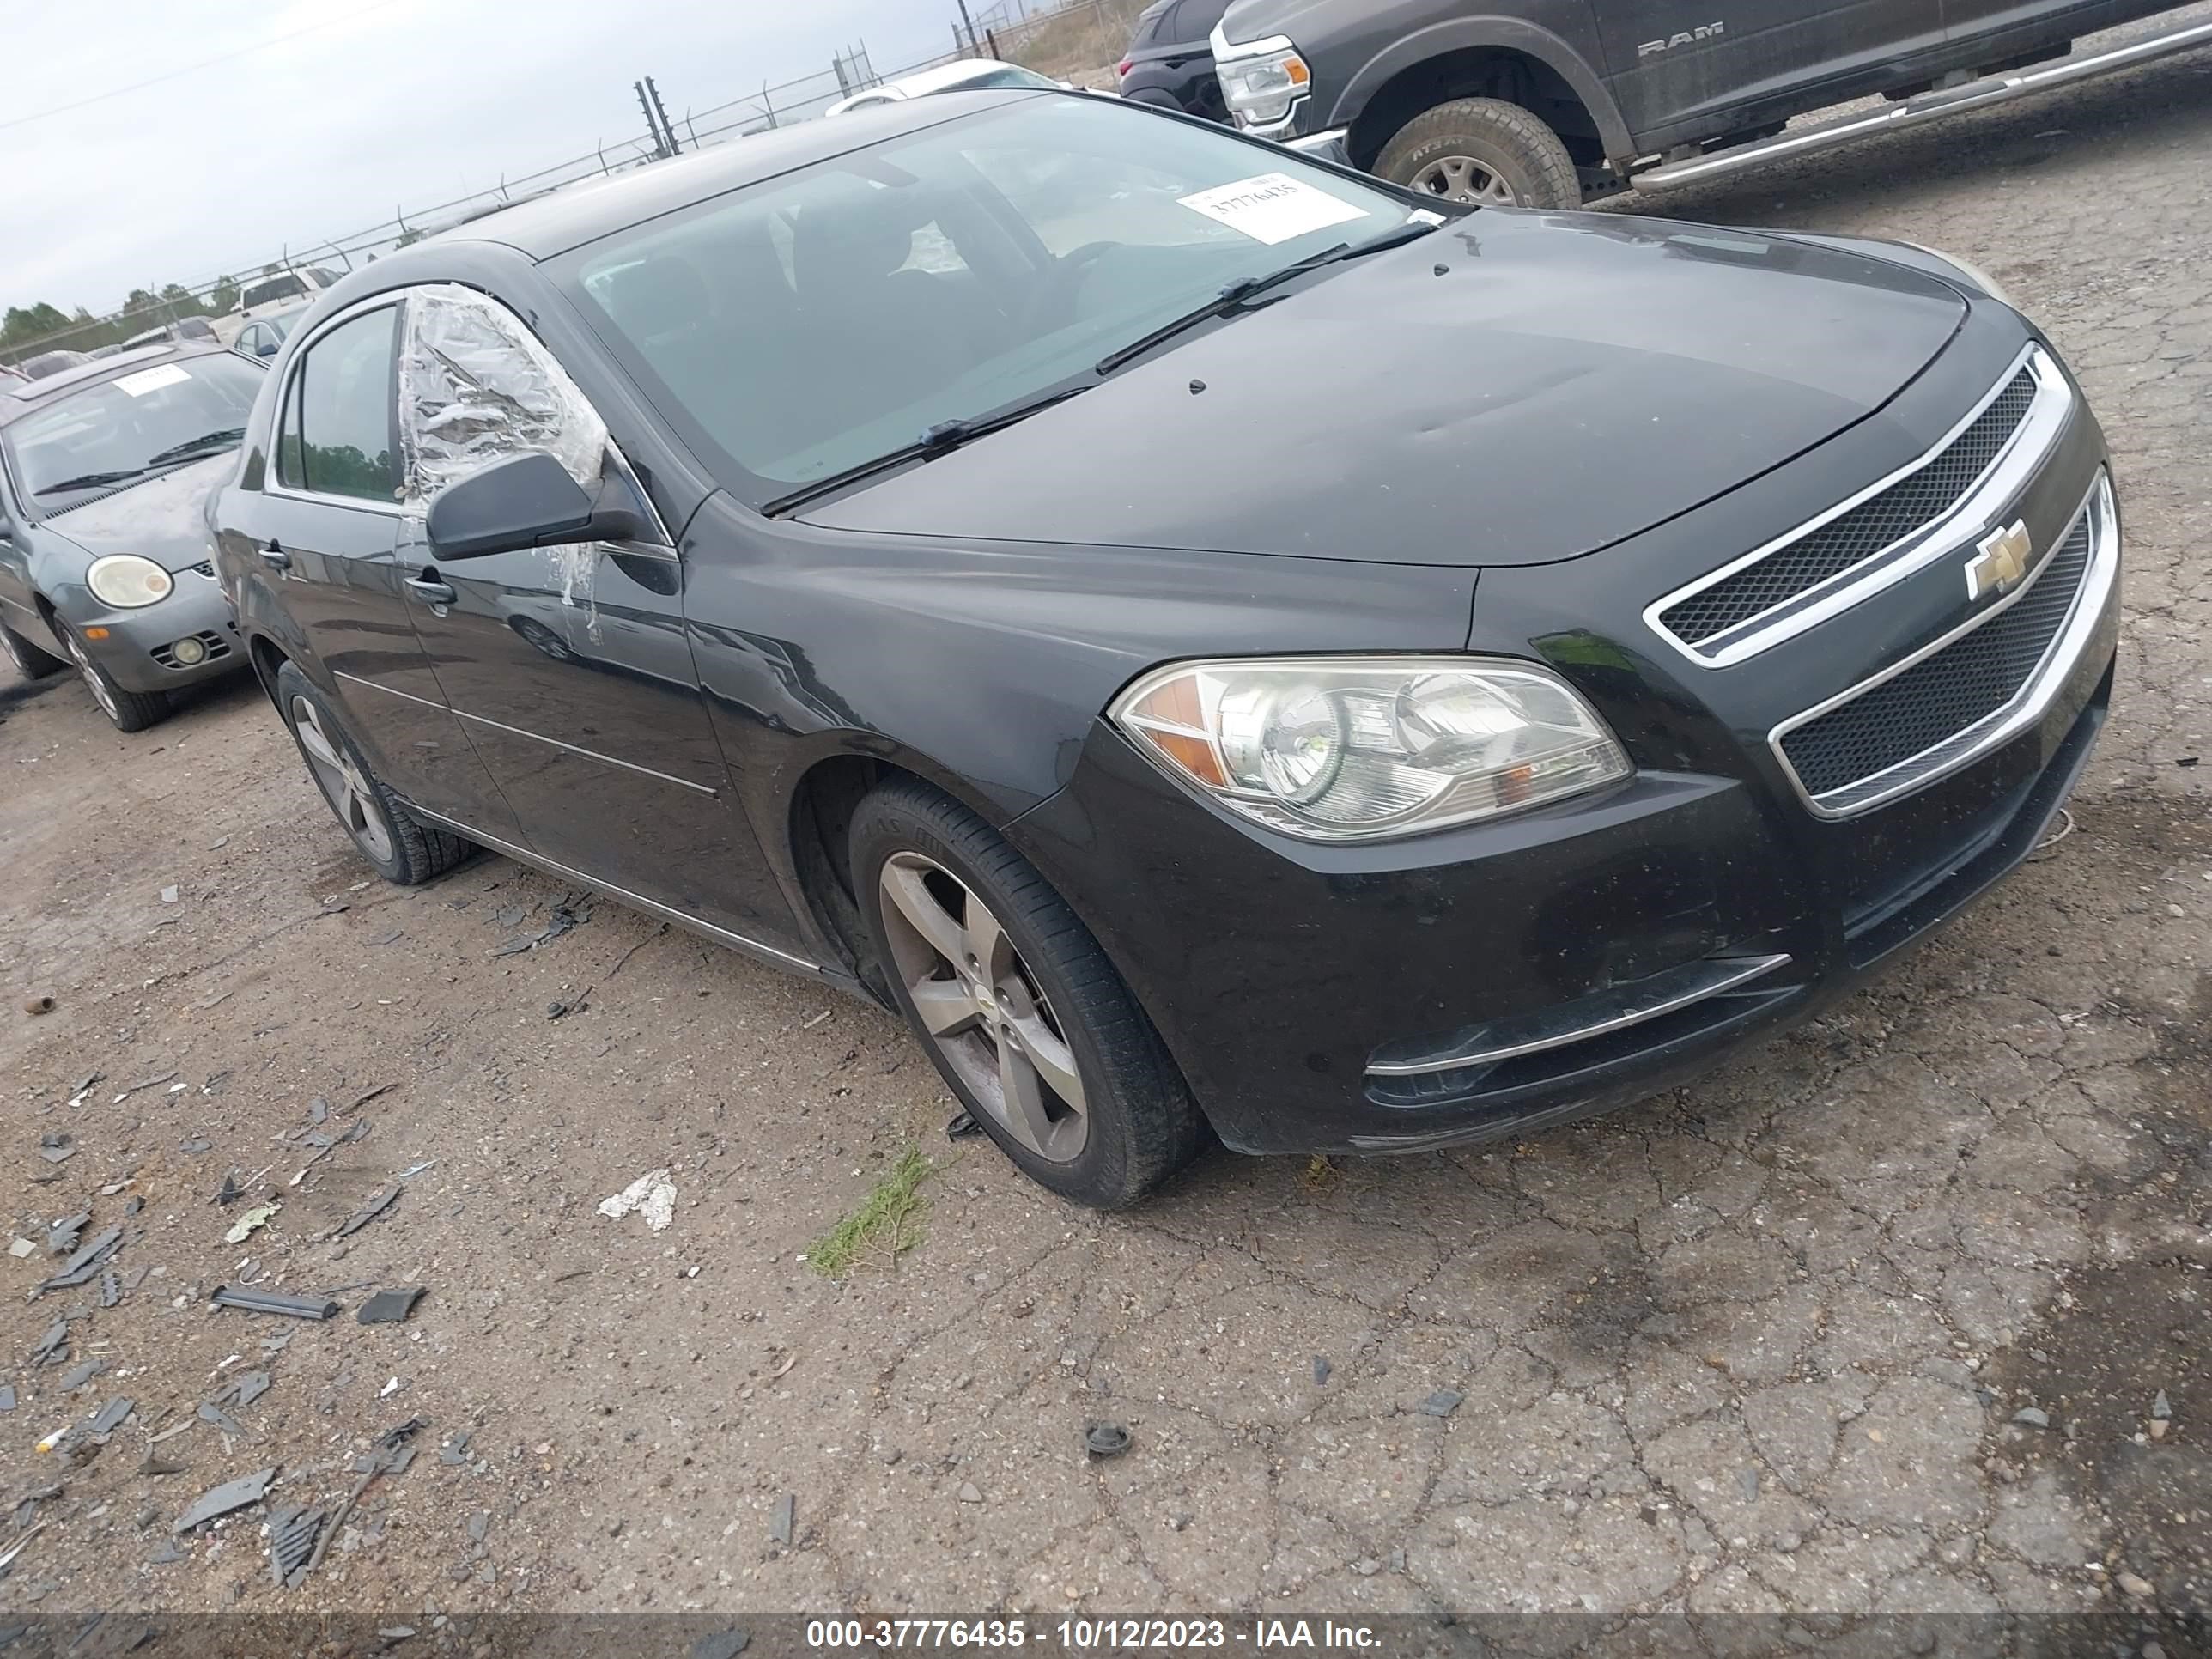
(1350, 748)
(1973, 273)
(127, 582)
(1260, 89)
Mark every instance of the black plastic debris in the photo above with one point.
(230, 1192)
(721, 1645)
(247, 1300)
(1105, 1440)
(293, 1529)
(61, 1237)
(783, 1519)
(455, 1452)
(154, 1463)
(211, 1413)
(111, 1288)
(218, 1501)
(391, 1307)
(1321, 1368)
(77, 1375)
(195, 1146)
(962, 1126)
(404, 1433)
(167, 1555)
(7, 1396)
(243, 1389)
(53, 1343)
(1443, 1403)
(111, 1415)
(367, 1213)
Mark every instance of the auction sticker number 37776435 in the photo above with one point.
(1272, 207)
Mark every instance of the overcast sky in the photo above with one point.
(371, 105)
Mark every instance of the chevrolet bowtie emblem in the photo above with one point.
(1999, 562)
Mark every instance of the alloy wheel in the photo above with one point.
(94, 681)
(1463, 179)
(342, 783)
(982, 1007)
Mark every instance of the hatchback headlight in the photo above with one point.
(1261, 90)
(127, 582)
(1353, 748)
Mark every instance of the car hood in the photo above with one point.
(160, 518)
(1514, 389)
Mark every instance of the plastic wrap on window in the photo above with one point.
(476, 387)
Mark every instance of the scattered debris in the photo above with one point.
(147, 1083)
(367, 1213)
(111, 1415)
(962, 1126)
(817, 1020)
(271, 1302)
(721, 1645)
(391, 1307)
(391, 1386)
(1746, 1480)
(111, 1288)
(252, 1221)
(50, 1345)
(211, 1413)
(455, 1452)
(293, 1531)
(154, 1463)
(85, 1262)
(1321, 1368)
(218, 1501)
(2161, 1407)
(55, 1147)
(2131, 1584)
(230, 1192)
(2033, 1416)
(478, 1525)
(556, 1008)
(167, 1555)
(1106, 1439)
(7, 1396)
(782, 1519)
(61, 1237)
(7, 1556)
(652, 1195)
(1443, 1403)
(168, 896)
(195, 1146)
(22, 1247)
(969, 1493)
(243, 1389)
(40, 1004)
(77, 1375)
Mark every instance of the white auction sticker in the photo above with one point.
(1272, 207)
(152, 379)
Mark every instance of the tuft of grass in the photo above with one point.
(1317, 1173)
(887, 1218)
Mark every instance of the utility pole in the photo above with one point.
(660, 113)
(648, 100)
(968, 23)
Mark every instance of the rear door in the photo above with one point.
(325, 527)
(1692, 68)
(569, 667)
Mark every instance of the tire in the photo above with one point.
(1500, 142)
(1138, 1122)
(130, 711)
(404, 851)
(30, 661)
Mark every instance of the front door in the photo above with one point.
(569, 667)
(1692, 64)
(326, 524)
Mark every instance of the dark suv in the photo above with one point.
(1543, 102)
(1169, 62)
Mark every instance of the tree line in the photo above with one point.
(27, 331)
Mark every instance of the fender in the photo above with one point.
(1513, 33)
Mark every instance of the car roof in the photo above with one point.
(943, 76)
(17, 400)
(563, 219)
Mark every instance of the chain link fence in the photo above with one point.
(1077, 43)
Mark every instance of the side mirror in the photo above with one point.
(526, 501)
(264, 348)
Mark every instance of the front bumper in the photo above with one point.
(1499, 978)
(140, 649)
(1333, 145)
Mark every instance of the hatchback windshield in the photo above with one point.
(810, 323)
(121, 429)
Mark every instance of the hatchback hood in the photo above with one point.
(161, 518)
(1561, 383)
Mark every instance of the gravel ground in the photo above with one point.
(1875, 1320)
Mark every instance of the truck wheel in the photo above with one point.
(1482, 149)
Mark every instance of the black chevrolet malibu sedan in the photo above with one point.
(1220, 646)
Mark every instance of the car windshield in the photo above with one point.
(1013, 74)
(807, 324)
(120, 429)
(287, 287)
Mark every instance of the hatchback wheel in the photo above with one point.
(29, 661)
(1021, 1011)
(1482, 150)
(404, 849)
(131, 711)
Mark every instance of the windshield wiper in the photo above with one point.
(1234, 296)
(939, 439)
(228, 438)
(90, 481)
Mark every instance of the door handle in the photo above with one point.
(276, 557)
(430, 590)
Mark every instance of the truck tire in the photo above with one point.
(1482, 149)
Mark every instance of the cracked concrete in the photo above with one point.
(1754, 1345)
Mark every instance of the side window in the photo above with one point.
(478, 386)
(288, 440)
(343, 401)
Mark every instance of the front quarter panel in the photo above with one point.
(983, 666)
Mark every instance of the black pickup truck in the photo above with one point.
(1546, 102)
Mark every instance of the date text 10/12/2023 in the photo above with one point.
(1087, 1635)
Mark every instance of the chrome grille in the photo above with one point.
(1967, 694)
(1877, 523)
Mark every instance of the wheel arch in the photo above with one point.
(1505, 57)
